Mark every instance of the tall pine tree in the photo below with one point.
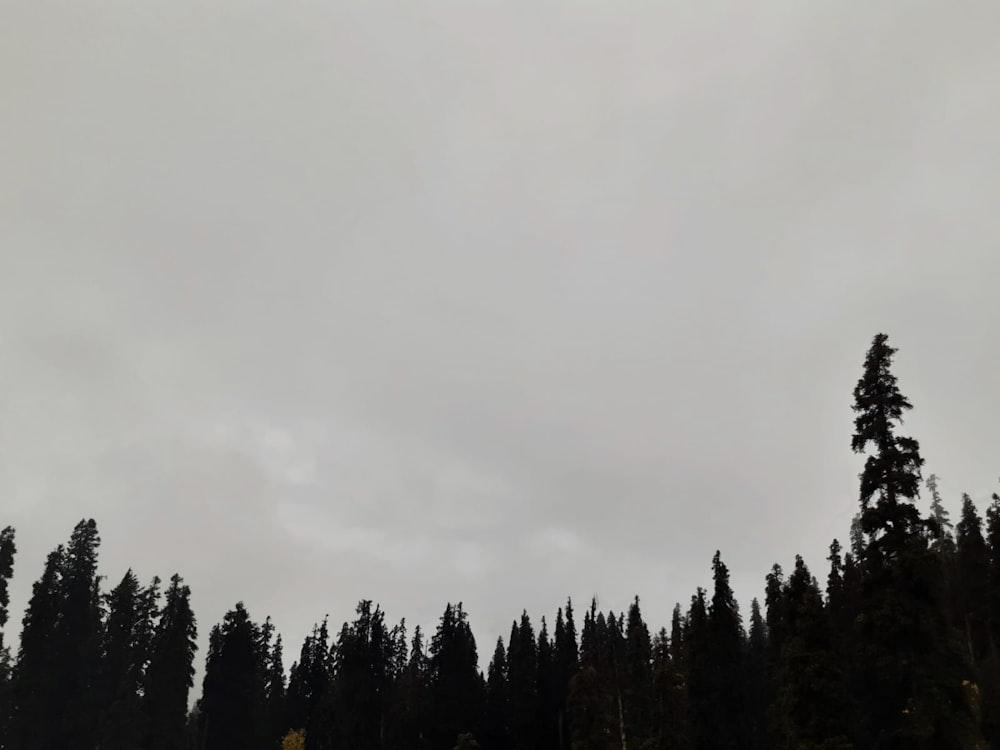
(911, 674)
(170, 675)
(7, 551)
(233, 687)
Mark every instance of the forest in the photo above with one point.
(898, 647)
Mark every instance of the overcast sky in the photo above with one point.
(499, 302)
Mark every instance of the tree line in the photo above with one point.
(899, 648)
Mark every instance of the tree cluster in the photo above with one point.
(900, 648)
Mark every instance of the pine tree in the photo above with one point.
(356, 705)
(412, 712)
(35, 686)
(973, 567)
(233, 687)
(990, 670)
(309, 679)
(548, 691)
(810, 708)
(567, 662)
(942, 539)
(673, 695)
(7, 551)
(638, 687)
(77, 640)
(756, 695)
(496, 735)
(274, 693)
(592, 718)
(993, 545)
(522, 678)
(891, 476)
(911, 675)
(170, 674)
(125, 651)
(457, 687)
(700, 678)
(726, 631)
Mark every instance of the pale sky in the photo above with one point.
(499, 302)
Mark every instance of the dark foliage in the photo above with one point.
(901, 650)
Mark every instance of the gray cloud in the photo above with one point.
(500, 302)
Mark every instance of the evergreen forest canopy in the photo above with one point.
(899, 649)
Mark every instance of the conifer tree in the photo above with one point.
(638, 687)
(726, 631)
(125, 651)
(274, 694)
(942, 538)
(77, 640)
(170, 675)
(308, 678)
(457, 687)
(35, 685)
(662, 672)
(675, 724)
(589, 705)
(910, 674)
(356, 706)
(496, 734)
(700, 680)
(891, 476)
(991, 669)
(810, 707)
(7, 551)
(522, 678)
(548, 692)
(993, 545)
(567, 662)
(755, 680)
(411, 728)
(233, 688)
(973, 567)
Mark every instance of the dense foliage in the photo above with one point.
(899, 649)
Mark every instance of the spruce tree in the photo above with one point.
(35, 685)
(990, 670)
(724, 663)
(973, 567)
(170, 674)
(677, 732)
(496, 735)
(638, 683)
(124, 654)
(274, 690)
(548, 692)
(891, 477)
(7, 551)
(993, 545)
(567, 662)
(592, 719)
(522, 678)
(413, 713)
(77, 640)
(457, 687)
(755, 681)
(356, 704)
(942, 538)
(233, 687)
(911, 676)
(700, 678)
(811, 707)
